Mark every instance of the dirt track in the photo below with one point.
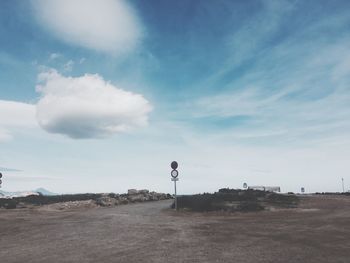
(319, 231)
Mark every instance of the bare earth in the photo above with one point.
(318, 231)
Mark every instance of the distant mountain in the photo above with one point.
(43, 191)
(4, 194)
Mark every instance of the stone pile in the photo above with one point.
(133, 196)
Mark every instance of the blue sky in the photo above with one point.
(102, 95)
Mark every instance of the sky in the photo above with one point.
(101, 96)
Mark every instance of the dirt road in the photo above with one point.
(319, 231)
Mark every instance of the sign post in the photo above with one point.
(174, 174)
(0, 179)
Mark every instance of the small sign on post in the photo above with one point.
(174, 165)
(174, 174)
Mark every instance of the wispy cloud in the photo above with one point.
(54, 56)
(246, 42)
(293, 89)
(68, 66)
(276, 115)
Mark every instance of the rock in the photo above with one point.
(106, 200)
(132, 192)
(137, 198)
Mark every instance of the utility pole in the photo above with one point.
(342, 181)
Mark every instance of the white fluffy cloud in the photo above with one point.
(109, 25)
(15, 115)
(87, 106)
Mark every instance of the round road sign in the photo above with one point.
(174, 165)
(174, 173)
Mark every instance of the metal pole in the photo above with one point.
(175, 195)
(342, 180)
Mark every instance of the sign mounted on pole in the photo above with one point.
(245, 185)
(174, 174)
(174, 165)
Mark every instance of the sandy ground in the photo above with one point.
(318, 231)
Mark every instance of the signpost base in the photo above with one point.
(175, 180)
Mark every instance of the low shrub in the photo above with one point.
(235, 200)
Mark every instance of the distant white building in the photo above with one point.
(266, 188)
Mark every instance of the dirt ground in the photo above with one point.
(317, 231)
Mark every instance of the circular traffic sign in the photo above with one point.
(174, 173)
(245, 185)
(174, 165)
